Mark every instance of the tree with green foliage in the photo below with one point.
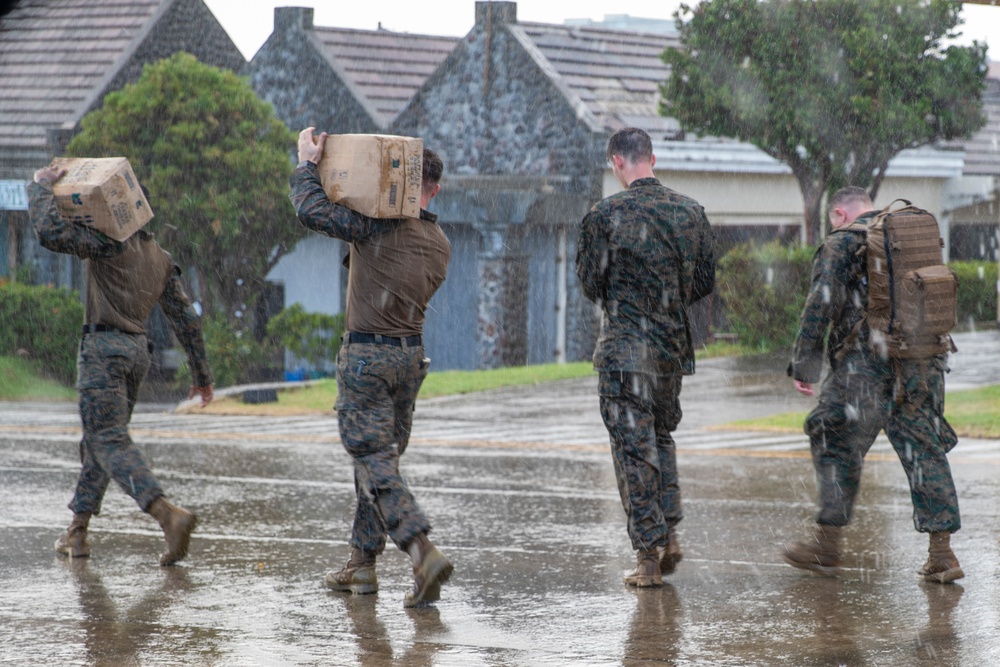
(216, 161)
(832, 88)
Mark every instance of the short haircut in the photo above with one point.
(852, 194)
(632, 144)
(433, 169)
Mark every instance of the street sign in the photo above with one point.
(13, 196)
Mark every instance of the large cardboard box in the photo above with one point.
(102, 193)
(377, 175)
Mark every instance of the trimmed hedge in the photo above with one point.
(43, 324)
(763, 288)
(977, 291)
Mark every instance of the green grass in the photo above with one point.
(321, 396)
(722, 349)
(973, 413)
(20, 381)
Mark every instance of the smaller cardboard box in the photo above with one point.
(101, 193)
(377, 175)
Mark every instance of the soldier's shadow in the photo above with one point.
(655, 634)
(117, 638)
(373, 640)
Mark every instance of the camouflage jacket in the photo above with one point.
(837, 299)
(645, 255)
(58, 235)
(316, 212)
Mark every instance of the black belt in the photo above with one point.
(354, 337)
(99, 328)
(102, 328)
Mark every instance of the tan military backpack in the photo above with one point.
(912, 295)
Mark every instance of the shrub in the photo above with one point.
(763, 288)
(313, 337)
(45, 323)
(977, 291)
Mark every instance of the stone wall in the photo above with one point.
(494, 114)
(291, 72)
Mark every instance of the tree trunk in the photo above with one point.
(813, 177)
(813, 200)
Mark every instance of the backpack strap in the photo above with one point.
(856, 226)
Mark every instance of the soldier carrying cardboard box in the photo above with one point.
(396, 265)
(125, 276)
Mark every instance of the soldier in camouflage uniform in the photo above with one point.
(395, 268)
(645, 255)
(862, 394)
(124, 280)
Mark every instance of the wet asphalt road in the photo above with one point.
(520, 488)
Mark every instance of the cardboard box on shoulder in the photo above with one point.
(101, 193)
(377, 175)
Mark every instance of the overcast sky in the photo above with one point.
(249, 22)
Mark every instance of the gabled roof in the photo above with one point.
(615, 73)
(385, 67)
(54, 54)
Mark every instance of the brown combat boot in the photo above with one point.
(942, 566)
(177, 524)
(73, 542)
(647, 570)
(671, 554)
(821, 553)
(430, 570)
(357, 577)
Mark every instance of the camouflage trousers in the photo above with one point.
(640, 412)
(377, 388)
(110, 369)
(907, 400)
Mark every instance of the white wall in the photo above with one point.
(311, 274)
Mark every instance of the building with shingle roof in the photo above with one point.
(521, 113)
(58, 59)
(337, 79)
(974, 199)
(341, 81)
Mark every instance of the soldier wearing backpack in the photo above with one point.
(878, 379)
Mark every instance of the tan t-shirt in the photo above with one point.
(392, 277)
(122, 290)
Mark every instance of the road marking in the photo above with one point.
(586, 438)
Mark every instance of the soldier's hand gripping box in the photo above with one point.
(102, 193)
(377, 175)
